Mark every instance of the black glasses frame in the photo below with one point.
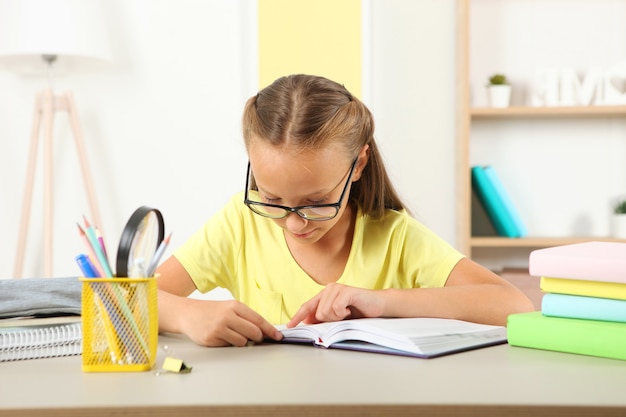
(298, 210)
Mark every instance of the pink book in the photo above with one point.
(592, 261)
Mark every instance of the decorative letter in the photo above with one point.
(614, 86)
(575, 94)
(545, 88)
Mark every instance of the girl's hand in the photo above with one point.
(339, 302)
(223, 323)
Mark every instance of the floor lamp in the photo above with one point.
(59, 35)
(47, 104)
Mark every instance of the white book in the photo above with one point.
(417, 337)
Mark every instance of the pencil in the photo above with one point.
(93, 240)
(157, 256)
(101, 241)
(92, 254)
(112, 329)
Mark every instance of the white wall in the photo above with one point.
(413, 101)
(162, 124)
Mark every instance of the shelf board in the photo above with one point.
(534, 242)
(568, 111)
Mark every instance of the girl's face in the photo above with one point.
(289, 178)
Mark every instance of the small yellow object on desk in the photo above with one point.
(175, 365)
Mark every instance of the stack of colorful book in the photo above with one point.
(496, 202)
(583, 309)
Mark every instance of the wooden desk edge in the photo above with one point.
(311, 410)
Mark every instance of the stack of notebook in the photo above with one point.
(34, 338)
(583, 309)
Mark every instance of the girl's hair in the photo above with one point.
(305, 112)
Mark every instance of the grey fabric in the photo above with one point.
(39, 296)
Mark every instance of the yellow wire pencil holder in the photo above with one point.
(120, 324)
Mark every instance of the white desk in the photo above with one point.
(284, 380)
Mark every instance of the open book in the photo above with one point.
(418, 337)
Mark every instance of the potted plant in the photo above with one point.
(498, 91)
(619, 219)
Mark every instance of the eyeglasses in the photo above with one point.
(313, 212)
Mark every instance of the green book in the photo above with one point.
(585, 337)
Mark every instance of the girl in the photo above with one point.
(319, 234)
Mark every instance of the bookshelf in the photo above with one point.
(520, 111)
(521, 116)
(532, 242)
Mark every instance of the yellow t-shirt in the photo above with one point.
(247, 254)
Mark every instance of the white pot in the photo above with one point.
(499, 95)
(619, 226)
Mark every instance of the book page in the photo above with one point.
(421, 337)
(306, 332)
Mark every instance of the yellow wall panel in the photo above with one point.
(320, 37)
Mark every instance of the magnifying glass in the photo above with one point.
(140, 239)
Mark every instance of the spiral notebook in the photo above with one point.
(34, 338)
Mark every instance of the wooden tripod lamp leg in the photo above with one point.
(28, 187)
(82, 157)
(48, 176)
(46, 106)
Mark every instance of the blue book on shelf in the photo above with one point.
(506, 200)
(579, 307)
(493, 204)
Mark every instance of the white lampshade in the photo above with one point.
(73, 30)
